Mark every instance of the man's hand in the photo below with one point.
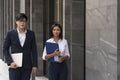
(34, 70)
(13, 65)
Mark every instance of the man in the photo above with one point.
(21, 40)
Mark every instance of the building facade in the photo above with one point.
(42, 13)
(90, 26)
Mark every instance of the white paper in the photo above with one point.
(56, 58)
(17, 58)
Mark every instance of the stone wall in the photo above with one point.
(101, 39)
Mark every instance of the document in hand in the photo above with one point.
(50, 48)
(17, 58)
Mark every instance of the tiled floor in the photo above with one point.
(4, 72)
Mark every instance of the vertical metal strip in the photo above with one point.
(71, 7)
(31, 14)
(6, 21)
(4, 18)
(1, 6)
(58, 10)
(22, 6)
(13, 14)
(63, 18)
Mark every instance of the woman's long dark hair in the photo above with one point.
(51, 30)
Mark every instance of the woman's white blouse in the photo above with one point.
(63, 47)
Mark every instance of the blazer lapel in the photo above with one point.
(17, 38)
(26, 39)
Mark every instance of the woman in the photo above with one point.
(57, 70)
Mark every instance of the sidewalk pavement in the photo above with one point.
(41, 78)
(4, 72)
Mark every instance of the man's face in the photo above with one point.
(21, 24)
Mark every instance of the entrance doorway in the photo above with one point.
(52, 12)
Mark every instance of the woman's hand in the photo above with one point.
(63, 58)
(56, 53)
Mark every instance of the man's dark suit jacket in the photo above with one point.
(12, 45)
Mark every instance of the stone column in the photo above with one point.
(118, 39)
(1, 28)
(101, 40)
(75, 34)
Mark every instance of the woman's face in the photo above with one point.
(56, 31)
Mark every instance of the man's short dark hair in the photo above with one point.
(20, 17)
